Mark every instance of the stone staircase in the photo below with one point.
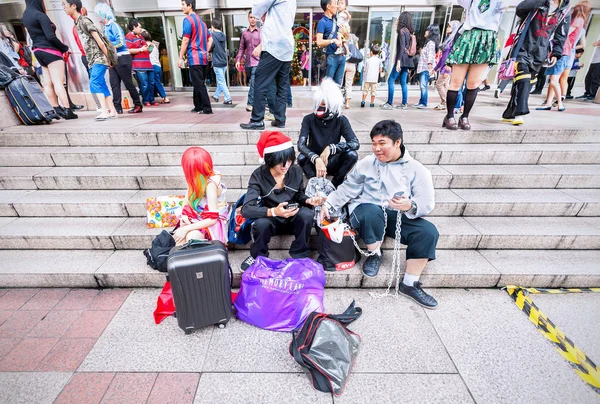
(513, 206)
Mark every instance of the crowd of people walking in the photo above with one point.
(547, 43)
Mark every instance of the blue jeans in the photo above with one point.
(221, 84)
(336, 65)
(251, 72)
(145, 80)
(157, 83)
(423, 83)
(461, 95)
(403, 73)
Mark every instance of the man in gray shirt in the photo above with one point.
(275, 59)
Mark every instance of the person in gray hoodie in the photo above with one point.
(219, 61)
(381, 186)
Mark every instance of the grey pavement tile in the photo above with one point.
(546, 268)
(263, 388)
(499, 353)
(576, 315)
(264, 351)
(406, 388)
(591, 198)
(134, 234)
(12, 195)
(501, 176)
(20, 177)
(388, 329)
(32, 387)
(126, 137)
(132, 342)
(455, 232)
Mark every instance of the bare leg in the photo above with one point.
(475, 75)
(459, 72)
(57, 75)
(416, 266)
(48, 87)
(554, 90)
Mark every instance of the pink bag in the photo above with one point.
(279, 295)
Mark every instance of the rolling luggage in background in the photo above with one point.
(29, 101)
(200, 281)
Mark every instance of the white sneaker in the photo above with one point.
(269, 116)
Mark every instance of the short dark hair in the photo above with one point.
(77, 4)
(249, 13)
(132, 24)
(190, 3)
(388, 128)
(580, 50)
(146, 35)
(216, 23)
(272, 159)
(375, 49)
(324, 4)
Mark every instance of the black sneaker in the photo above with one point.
(418, 295)
(246, 263)
(371, 265)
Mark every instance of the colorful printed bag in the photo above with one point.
(164, 211)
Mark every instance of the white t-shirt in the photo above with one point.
(596, 54)
(372, 66)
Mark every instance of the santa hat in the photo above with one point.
(271, 142)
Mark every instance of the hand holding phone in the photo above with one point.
(292, 206)
(398, 195)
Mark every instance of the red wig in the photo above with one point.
(197, 167)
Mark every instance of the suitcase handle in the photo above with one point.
(192, 243)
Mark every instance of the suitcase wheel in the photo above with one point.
(188, 332)
(221, 326)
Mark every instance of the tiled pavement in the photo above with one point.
(102, 346)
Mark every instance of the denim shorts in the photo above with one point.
(97, 81)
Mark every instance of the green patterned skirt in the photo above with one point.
(474, 47)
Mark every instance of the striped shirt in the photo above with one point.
(140, 61)
(196, 31)
(427, 56)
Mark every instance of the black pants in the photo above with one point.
(265, 228)
(270, 69)
(419, 235)
(201, 100)
(541, 80)
(570, 85)
(592, 80)
(122, 72)
(338, 166)
(519, 95)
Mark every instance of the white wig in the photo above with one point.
(330, 93)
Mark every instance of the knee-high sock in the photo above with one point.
(470, 97)
(451, 97)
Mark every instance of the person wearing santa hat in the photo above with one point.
(275, 199)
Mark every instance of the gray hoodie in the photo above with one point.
(406, 174)
(219, 51)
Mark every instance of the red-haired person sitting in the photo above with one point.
(205, 209)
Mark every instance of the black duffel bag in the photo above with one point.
(156, 256)
(326, 349)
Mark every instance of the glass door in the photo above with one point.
(302, 43)
(422, 18)
(382, 31)
(234, 24)
(154, 24)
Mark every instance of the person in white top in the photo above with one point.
(592, 78)
(155, 60)
(472, 52)
(373, 68)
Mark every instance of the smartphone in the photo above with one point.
(292, 206)
(398, 194)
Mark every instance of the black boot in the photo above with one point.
(66, 113)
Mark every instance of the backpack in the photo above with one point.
(156, 256)
(239, 227)
(111, 51)
(327, 364)
(411, 50)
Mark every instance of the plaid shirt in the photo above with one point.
(427, 56)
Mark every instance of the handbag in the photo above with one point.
(326, 350)
(280, 295)
(158, 253)
(164, 211)
(507, 69)
(336, 248)
(239, 227)
(354, 54)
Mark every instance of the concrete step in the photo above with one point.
(237, 176)
(465, 154)
(452, 268)
(455, 202)
(456, 233)
(216, 135)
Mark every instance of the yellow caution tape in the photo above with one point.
(539, 291)
(581, 364)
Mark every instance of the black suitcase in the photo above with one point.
(200, 278)
(29, 101)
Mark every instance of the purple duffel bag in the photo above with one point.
(279, 295)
